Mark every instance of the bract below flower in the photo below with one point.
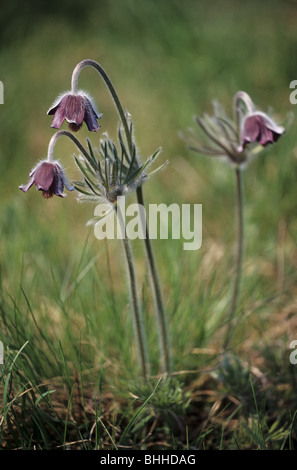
(75, 108)
(48, 177)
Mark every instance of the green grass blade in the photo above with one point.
(139, 411)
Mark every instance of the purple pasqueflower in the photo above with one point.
(75, 108)
(258, 127)
(48, 177)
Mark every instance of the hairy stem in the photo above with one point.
(160, 311)
(241, 98)
(56, 136)
(108, 83)
(135, 304)
(239, 250)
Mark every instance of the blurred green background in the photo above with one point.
(168, 60)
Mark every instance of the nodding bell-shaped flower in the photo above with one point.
(75, 108)
(258, 127)
(232, 138)
(48, 177)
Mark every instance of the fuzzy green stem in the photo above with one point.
(239, 250)
(108, 83)
(135, 304)
(53, 141)
(160, 311)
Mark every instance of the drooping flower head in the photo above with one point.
(254, 125)
(258, 127)
(75, 108)
(48, 177)
(233, 138)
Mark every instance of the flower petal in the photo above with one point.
(251, 129)
(59, 118)
(266, 136)
(59, 110)
(91, 117)
(44, 176)
(53, 109)
(66, 184)
(26, 187)
(74, 109)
